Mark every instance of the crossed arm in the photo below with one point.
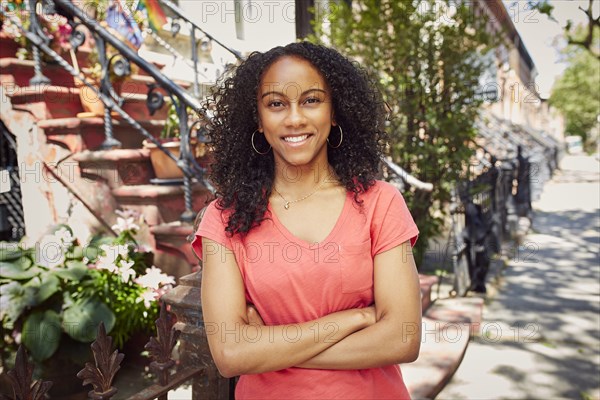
(367, 337)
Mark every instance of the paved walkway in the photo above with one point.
(541, 328)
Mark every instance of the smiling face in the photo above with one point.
(295, 112)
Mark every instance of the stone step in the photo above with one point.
(159, 203)
(116, 167)
(443, 346)
(46, 101)
(61, 99)
(49, 102)
(8, 46)
(459, 310)
(79, 134)
(172, 248)
(447, 328)
(15, 73)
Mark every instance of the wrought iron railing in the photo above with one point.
(100, 373)
(113, 102)
(12, 219)
(194, 29)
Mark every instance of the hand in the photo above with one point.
(253, 316)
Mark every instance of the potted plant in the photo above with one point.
(55, 27)
(164, 166)
(110, 16)
(53, 295)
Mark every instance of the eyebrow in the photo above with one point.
(301, 94)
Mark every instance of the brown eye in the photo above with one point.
(275, 104)
(312, 100)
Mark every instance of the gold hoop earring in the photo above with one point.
(254, 147)
(341, 139)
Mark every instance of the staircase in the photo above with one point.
(67, 178)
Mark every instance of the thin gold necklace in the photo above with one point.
(288, 202)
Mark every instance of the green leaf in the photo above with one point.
(18, 298)
(10, 251)
(19, 269)
(76, 253)
(75, 271)
(47, 288)
(41, 334)
(81, 320)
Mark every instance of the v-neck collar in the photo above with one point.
(292, 238)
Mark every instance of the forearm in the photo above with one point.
(253, 348)
(384, 343)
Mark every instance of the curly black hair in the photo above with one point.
(243, 179)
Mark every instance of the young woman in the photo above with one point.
(309, 287)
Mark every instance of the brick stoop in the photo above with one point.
(460, 310)
(447, 327)
(426, 282)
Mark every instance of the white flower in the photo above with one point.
(126, 271)
(154, 278)
(65, 237)
(123, 250)
(125, 224)
(50, 252)
(107, 263)
(85, 260)
(148, 297)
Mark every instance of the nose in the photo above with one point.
(295, 117)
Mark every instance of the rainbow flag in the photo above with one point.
(155, 13)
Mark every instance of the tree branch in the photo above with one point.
(587, 42)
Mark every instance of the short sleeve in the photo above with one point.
(212, 226)
(392, 223)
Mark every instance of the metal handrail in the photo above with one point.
(72, 10)
(180, 14)
(406, 177)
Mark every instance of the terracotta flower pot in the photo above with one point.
(164, 166)
(90, 101)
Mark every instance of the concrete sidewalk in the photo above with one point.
(541, 327)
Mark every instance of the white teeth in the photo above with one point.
(295, 139)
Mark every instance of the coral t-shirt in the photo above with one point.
(289, 280)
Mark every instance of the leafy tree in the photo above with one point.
(575, 93)
(427, 57)
(586, 38)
